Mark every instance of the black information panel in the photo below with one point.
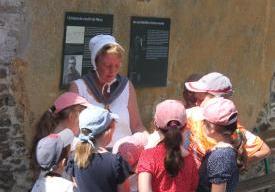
(148, 56)
(79, 28)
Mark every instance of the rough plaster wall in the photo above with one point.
(14, 163)
(232, 37)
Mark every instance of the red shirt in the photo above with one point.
(152, 161)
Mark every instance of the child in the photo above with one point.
(130, 148)
(167, 167)
(51, 154)
(219, 171)
(63, 114)
(210, 86)
(94, 168)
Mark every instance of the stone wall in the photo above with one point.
(14, 163)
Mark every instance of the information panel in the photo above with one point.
(149, 48)
(79, 28)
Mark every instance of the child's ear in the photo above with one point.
(212, 131)
(71, 115)
(64, 162)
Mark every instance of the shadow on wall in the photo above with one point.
(265, 128)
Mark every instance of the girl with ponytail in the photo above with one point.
(168, 167)
(61, 115)
(95, 168)
(219, 171)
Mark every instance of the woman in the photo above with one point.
(168, 167)
(104, 87)
(219, 171)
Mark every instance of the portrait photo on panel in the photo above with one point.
(72, 68)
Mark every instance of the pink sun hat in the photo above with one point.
(68, 99)
(169, 110)
(130, 147)
(220, 111)
(213, 83)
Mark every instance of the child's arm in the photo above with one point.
(255, 147)
(262, 153)
(144, 182)
(218, 187)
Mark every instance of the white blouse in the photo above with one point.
(118, 106)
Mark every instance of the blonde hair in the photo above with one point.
(83, 152)
(110, 49)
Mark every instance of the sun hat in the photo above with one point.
(68, 99)
(97, 43)
(130, 147)
(96, 119)
(214, 83)
(220, 111)
(169, 110)
(49, 148)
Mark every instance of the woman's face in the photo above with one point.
(108, 66)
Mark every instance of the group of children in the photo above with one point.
(202, 148)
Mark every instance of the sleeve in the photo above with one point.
(121, 168)
(145, 162)
(219, 167)
(253, 143)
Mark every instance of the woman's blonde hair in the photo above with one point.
(110, 49)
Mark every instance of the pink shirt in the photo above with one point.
(152, 161)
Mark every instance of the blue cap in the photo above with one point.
(49, 148)
(96, 119)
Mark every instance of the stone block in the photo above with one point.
(16, 161)
(3, 73)
(6, 179)
(3, 136)
(6, 153)
(7, 99)
(5, 121)
(3, 87)
(20, 144)
(4, 146)
(20, 168)
(16, 129)
(11, 5)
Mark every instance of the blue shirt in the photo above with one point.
(219, 166)
(103, 174)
